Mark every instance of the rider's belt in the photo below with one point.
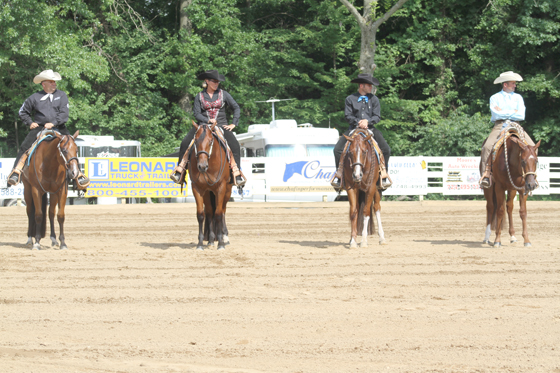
(499, 121)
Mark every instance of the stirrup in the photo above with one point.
(17, 173)
(237, 183)
(485, 182)
(85, 182)
(335, 182)
(177, 174)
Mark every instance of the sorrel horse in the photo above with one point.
(514, 169)
(53, 161)
(360, 178)
(209, 174)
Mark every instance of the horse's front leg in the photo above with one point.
(509, 204)
(61, 217)
(200, 217)
(489, 196)
(52, 210)
(219, 218)
(37, 201)
(367, 216)
(523, 215)
(377, 211)
(209, 226)
(353, 199)
(500, 206)
(226, 199)
(30, 209)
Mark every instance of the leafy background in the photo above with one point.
(130, 69)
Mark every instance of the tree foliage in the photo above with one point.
(128, 65)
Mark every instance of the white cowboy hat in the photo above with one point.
(46, 75)
(508, 76)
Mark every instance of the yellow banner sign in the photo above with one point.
(131, 177)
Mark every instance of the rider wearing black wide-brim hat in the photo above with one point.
(210, 107)
(362, 110)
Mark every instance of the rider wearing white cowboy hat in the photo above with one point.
(210, 107)
(46, 109)
(504, 105)
(362, 110)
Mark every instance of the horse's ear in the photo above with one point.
(348, 138)
(213, 126)
(195, 125)
(538, 144)
(369, 137)
(76, 134)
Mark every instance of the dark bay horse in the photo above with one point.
(360, 178)
(514, 169)
(53, 161)
(210, 174)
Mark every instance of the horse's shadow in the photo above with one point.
(16, 244)
(167, 245)
(315, 244)
(469, 244)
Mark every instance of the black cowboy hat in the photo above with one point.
(365, 79)
(211, 74)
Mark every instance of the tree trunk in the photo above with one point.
(369, 26)
(185, 102)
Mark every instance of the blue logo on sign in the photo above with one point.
(309, 170)
(98, 169)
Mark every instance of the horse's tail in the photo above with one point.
(361, 205)
(494, 220)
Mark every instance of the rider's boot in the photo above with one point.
(485, 180)
(177, 173)
(15, 175)
(336, 181)
(238, 177)
(386, 181)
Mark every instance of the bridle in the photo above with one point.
(523, 173)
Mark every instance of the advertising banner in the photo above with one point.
(131, 177)
(294, 175)
(6, 165)
(409, 175)
(461, 176)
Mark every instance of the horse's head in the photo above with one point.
(528, 157)
(358, 151)
(68, 151)
(203, 143)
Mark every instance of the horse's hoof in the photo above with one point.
(497, 244)
(226, 240)
(220, 248)
(54, 242)
(63, 247)
(363, 244)
(29, 242)
(512, 239)
(36, 247)
(527, 244)
(201, 248)
(382, 242)
(353, 245)
(486, 242)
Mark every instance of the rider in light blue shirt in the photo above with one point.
(507, 105)
(504, 105)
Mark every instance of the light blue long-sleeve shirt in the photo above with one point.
(507, 103)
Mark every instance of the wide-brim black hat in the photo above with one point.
(365, 79)
(211, 74)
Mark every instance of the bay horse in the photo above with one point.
(360, 178)
(52, 163)
(210, 174)
(514, 169)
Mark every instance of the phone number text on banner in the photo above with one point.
(131, 177)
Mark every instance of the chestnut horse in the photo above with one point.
(210, 176)
(360, 178)
(514, 169)
(53, 162)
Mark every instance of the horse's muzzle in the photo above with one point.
(530, 184)
(202, 167)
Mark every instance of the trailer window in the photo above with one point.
(260, 152)
(320, 150)
(280, 151)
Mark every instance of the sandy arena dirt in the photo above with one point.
(132, 295)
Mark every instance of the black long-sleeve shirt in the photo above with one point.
(355, 111)
(45, 111)
(201, 115)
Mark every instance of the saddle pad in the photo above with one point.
(509, 129)
(47, 137)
